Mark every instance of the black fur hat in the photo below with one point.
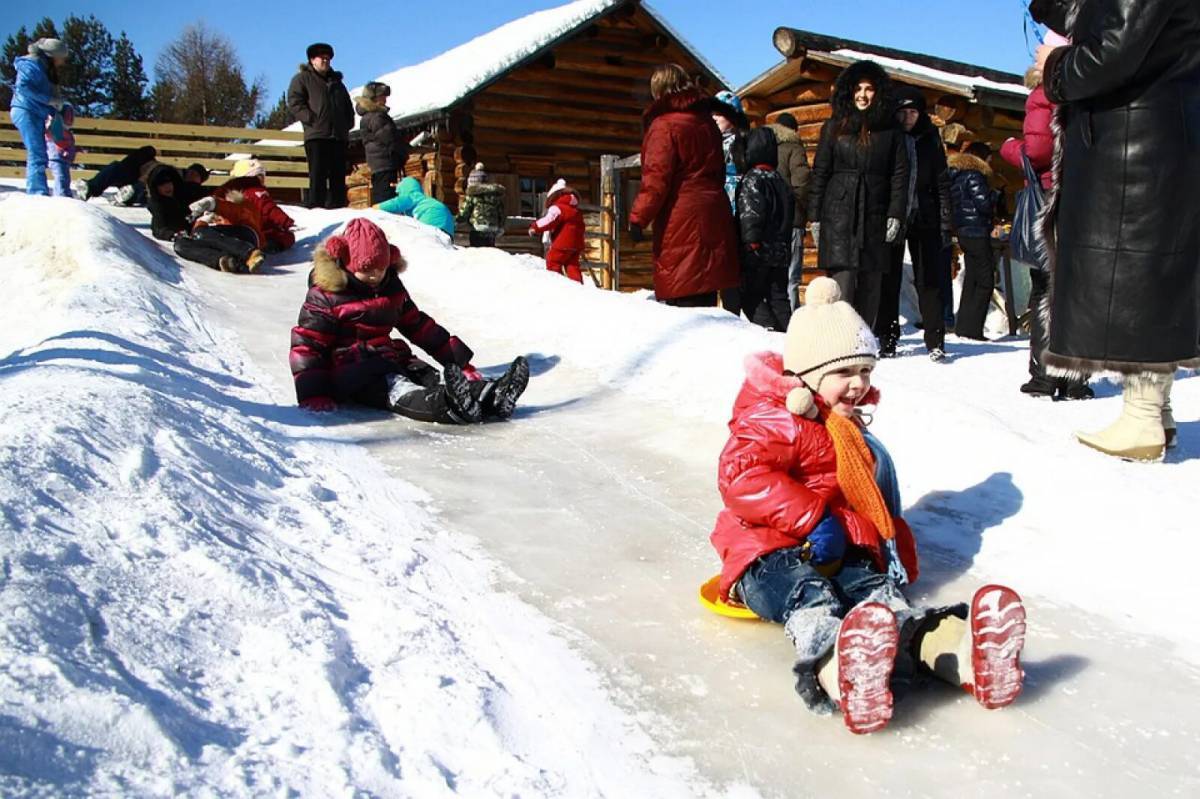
(320, 48)
(880, 115)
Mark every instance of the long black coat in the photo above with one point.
(933, 180)
(1123, 225)
(321, 104)
(856, 188)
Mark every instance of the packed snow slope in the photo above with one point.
(203, 593)
(262, 601)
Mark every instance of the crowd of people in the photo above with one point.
(811, 534)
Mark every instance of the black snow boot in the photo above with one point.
(1069, 390)
(888, 341)
(508, 389)
(1040, 386)
(460, 400)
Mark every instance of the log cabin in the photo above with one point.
(539, 98)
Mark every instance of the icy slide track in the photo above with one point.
(597, 501)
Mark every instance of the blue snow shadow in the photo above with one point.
(37, 757)
(950, 525)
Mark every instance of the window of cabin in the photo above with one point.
(531, 195)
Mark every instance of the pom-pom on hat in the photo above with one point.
(825, 334)
(362, 247)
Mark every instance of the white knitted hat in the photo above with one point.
(825, 335)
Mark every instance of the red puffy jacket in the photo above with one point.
(1039, 138)
(275, 225)
(565, 223)
(683, 195)
(778, 477)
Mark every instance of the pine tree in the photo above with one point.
(127, 83)
(277, 118)
(87, 75)
(199, 80)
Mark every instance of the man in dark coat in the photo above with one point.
(857, 195)
(683, 195)
(319, 100)
(766, 209)
(793, 167)
(929, 226)
(1122, 225)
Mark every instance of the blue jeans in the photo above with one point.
(33, 134)
(60, 170)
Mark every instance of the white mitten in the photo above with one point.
(893, 229)
(816, 234)
(202, 206)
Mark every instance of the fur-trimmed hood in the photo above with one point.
(365, 105)
(328, 274)
(688, 100)
(965, 162)
(880, 115)
(783, 134)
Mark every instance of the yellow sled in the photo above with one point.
(710, 597)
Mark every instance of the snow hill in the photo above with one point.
(206, 591)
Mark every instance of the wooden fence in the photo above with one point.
(101, 141)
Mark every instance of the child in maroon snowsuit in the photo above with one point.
(343, 350)
(564, 222)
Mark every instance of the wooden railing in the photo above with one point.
(101, 141)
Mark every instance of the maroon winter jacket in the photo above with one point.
(778, 477)
(276, 224)
(343, 340)
(1039, 138)
(683, 195)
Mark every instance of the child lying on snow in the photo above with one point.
(811, 534)
(342, 349)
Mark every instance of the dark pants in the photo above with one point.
(929, 264)
(326, 173)
(862, 289)
(695, 301)
(120, 173)
(731, 300)
(1039, 288)
(208, 244)
(979, 281)
(383, 186)
(417, 392)
(765, 294)
(887, 320)
(480, 239)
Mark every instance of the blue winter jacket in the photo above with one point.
(33, 91)
(410, 200)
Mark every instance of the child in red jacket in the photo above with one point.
(343, 349)
(564, 222)
(811, 535)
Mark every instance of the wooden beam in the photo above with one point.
(163, 128)
(804, 113)
(788, 43)
(498, 103)
(172, 145)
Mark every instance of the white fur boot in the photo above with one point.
(1138, 434)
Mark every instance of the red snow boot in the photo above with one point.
(997, 637)
(866, 655)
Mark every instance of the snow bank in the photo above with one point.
(993, 479)
(204, 593)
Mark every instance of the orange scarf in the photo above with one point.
(856, 473)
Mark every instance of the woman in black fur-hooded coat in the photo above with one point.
(859, 183)
(1122, 224)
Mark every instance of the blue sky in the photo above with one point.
(376, 37)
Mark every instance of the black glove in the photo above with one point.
(635, 233)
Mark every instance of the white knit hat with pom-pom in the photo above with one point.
(824, 335)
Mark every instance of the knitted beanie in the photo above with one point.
(362, 247)
(248, 168)
(825, 335)
(477, 175)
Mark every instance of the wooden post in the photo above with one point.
(610, 253)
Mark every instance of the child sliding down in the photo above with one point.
(811, 535)
(342, 349)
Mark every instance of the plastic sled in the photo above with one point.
(710, 597)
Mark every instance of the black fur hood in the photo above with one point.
(880, 115)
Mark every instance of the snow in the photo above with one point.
(972, 82)
(260, 601)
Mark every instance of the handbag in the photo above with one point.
(1023, 242)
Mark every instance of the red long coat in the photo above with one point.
(1039, 138)
(275, 225)
(683, 195)
(778, 477)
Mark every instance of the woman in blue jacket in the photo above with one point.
(35, 100)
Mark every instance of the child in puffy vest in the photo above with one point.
(343, 351)
(811, 535)
(60, 150)
(765, 208)
(564, 222)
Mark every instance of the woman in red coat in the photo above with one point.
(683, 194)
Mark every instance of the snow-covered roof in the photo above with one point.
(901, 67)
